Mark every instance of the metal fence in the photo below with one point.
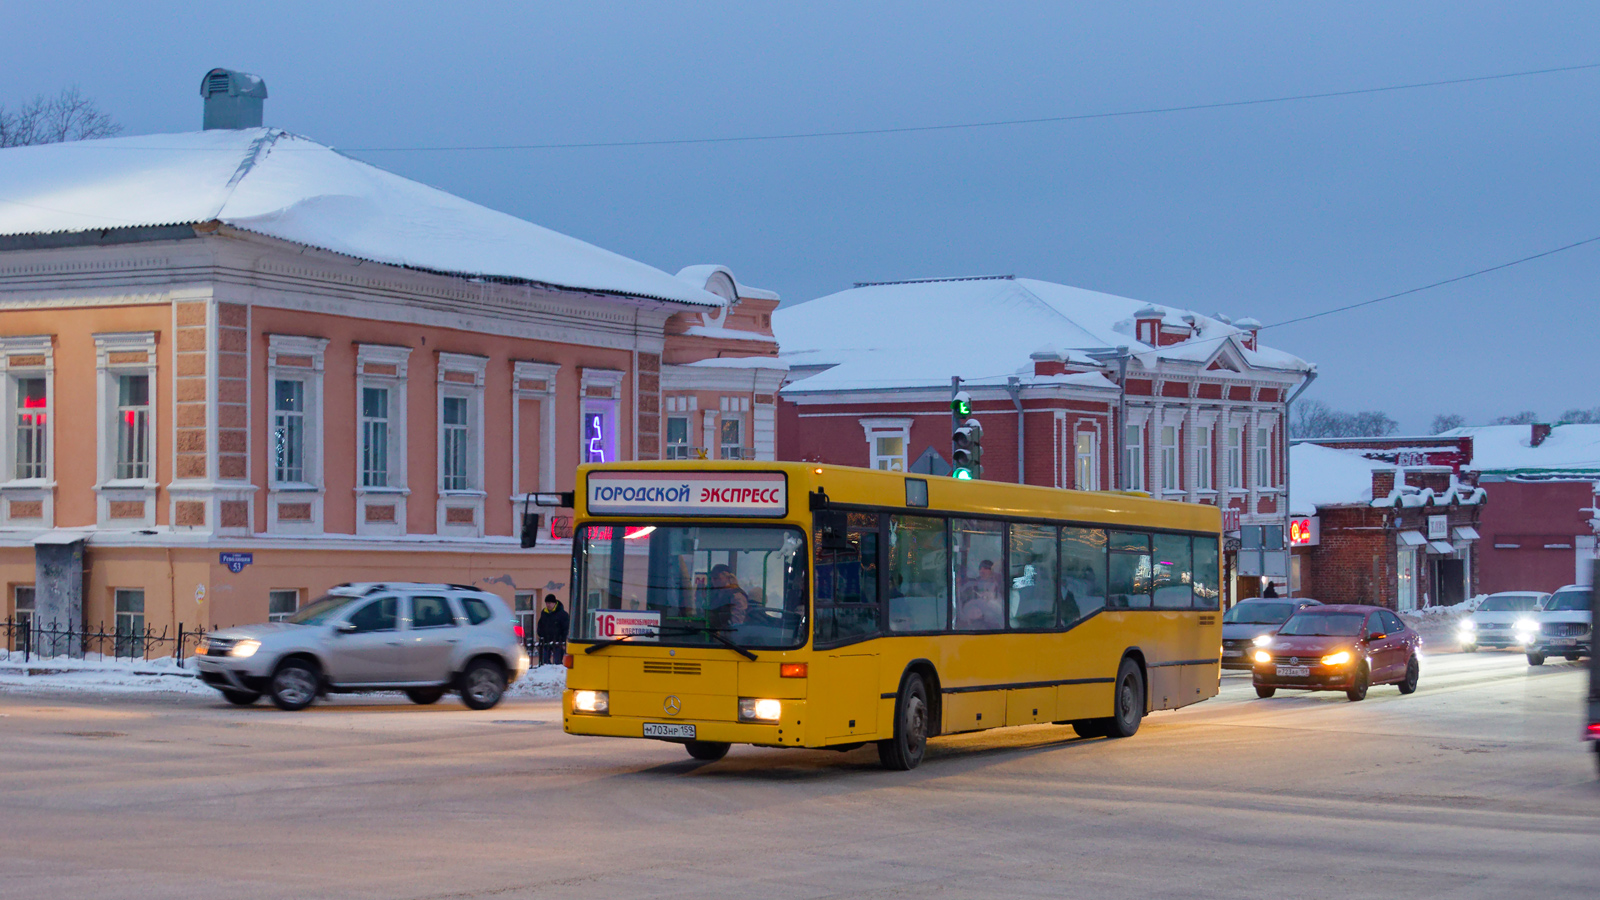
(30, 639)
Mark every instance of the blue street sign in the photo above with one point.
(237, 561)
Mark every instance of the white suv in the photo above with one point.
(424, 639)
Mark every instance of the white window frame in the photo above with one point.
(1133, 456)
(533, 381)
(600, 391)
(1263, 456)
(1204, 469)
(1086, 466)
(395, 493)
(108, 487)
(735, 409)
(297, 358)
(23, 619)
(21, 490)
(461, 376)
(284, 423)
(130, 640)
(677, 449)
(1170, 467)
(876, 428)
(1234, 434)
(299, 598)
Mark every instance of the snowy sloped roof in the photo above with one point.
(268, 181)
(919, 333)
(1323, 476)
(1509, 449)
(699, 274)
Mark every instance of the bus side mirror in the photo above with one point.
(530, 529)
(833, 528)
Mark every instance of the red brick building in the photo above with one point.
(1073, 388)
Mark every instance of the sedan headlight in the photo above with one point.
(1263, 656)
(1336, 659)
(1468, 626)
(752, 709)
(1261, 640)
(594, 702)
(1527, 630)
(245, 648)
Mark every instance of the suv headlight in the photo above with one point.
(245, 648)
(1527, 630)
(1261, 640)
(752, 709)
(594, 702)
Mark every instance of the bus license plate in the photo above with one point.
(1294, 671)
(668, 730)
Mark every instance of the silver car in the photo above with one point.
(1493, 623)
(1563, 624)
(424, 639)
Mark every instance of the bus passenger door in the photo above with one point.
(846, 687)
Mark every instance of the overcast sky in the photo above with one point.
(1272, 211)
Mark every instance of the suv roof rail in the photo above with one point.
(464, 587)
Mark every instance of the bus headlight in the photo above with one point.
(1263, 656)
(594, 702)
(1336, 659)
(752, 709)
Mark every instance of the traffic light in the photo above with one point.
(967, 457)
(961, 405)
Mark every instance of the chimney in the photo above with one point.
(1540, 432)
(1252, 326)
(1147, 325)
(1382, 483)
(232, 99)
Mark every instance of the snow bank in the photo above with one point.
(100, 674)
(540, 682)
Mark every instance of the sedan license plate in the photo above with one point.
(1294, 671)
(668, 730)
(1232, 654)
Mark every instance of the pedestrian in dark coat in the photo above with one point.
(552, 630)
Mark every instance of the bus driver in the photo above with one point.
(728, 604)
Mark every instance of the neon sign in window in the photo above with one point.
(594, 436)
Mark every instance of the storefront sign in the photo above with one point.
(1305, 532)
(688, 493)
(1438, 528)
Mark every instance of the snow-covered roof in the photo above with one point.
(741, 362)
(1509, 450)
(699, 275)
(919, 333)
(268, 181)
(1322, 476)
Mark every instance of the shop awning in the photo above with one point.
(1412, 539)
(1441, 548)
(1466, 533)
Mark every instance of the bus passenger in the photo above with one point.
(980, 601)
(728, 604)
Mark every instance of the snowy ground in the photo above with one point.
(98, 674)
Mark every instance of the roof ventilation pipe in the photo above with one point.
(233, 100)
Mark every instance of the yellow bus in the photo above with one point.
(802, 605)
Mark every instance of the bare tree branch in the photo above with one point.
(69, 116)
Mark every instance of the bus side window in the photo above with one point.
(975, 568)
(847, 581)
(919, 574)
(1033, 576)
(1206, 557)
(1173, 570)
(1083, 572)
(1129, 570)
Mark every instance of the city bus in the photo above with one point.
(817, 606)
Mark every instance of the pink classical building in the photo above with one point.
(241, 367)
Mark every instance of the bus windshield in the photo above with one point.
(688, 585)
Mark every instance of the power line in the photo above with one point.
(905, 129)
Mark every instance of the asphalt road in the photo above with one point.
(1476, 786)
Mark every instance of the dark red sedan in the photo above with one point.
(1338, 648)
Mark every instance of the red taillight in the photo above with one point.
(791, 670)
(1594, 731)
(517, 628)
(567, 660)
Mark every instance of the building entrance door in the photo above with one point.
(1449, 580)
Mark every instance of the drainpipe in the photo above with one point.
(1122, 418)
(1014, 388)
(1287, 512)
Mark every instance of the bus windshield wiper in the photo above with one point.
(713, 633)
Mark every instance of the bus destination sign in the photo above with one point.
(688, 494)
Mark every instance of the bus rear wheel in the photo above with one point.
(905, 750)
(1129, 711)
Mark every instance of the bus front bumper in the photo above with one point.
(789, 731)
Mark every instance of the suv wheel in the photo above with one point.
(482, 685)
(294, 685)
(241, 698)
(425, 696)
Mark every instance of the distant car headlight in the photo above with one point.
(596, 702)
(752, 709)
(1526, 629)
(245, 648)
(1261, 640)
(1263, 656)
(1468, 626)
(1336, 659)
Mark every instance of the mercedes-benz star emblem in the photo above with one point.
(672, 705)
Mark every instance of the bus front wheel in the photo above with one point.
(707, 751)
(905, 750)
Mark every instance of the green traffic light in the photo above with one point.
(962, 474)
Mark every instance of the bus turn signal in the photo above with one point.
(791, 670)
